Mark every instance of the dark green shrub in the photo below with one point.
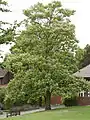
(2, 96)
(70, 101)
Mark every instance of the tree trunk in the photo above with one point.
(40, 101)
(48, 101)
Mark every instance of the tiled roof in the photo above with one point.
(84, 72)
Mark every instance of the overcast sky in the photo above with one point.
(81, 19)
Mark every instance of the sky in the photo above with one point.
(81, 19)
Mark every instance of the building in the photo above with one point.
(5, 77)
(84, 96)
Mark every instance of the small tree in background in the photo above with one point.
(86, 57)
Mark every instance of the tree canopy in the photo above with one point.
(6, 29)
(42, 58)
(86, 56)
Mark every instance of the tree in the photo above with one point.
(86, 57)
(5, 34)
(79, 57)
(7, 30)
(43, 55)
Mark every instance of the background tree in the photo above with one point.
(86, 57)
(79, 56)
(5, 32)
(42, 57)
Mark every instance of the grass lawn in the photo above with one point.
(73, 113)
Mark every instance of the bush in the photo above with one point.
(72, 101)
(2, 96)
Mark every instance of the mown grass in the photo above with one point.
(72, 113)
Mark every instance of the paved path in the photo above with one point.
(33, 111)
(41, 109)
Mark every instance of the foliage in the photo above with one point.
(2, 96)
(83, 56)
(79, 57)
(42, 59)
(7, 30)
(3, 4)
(5, 34)
(70, 101)
(86, 57)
